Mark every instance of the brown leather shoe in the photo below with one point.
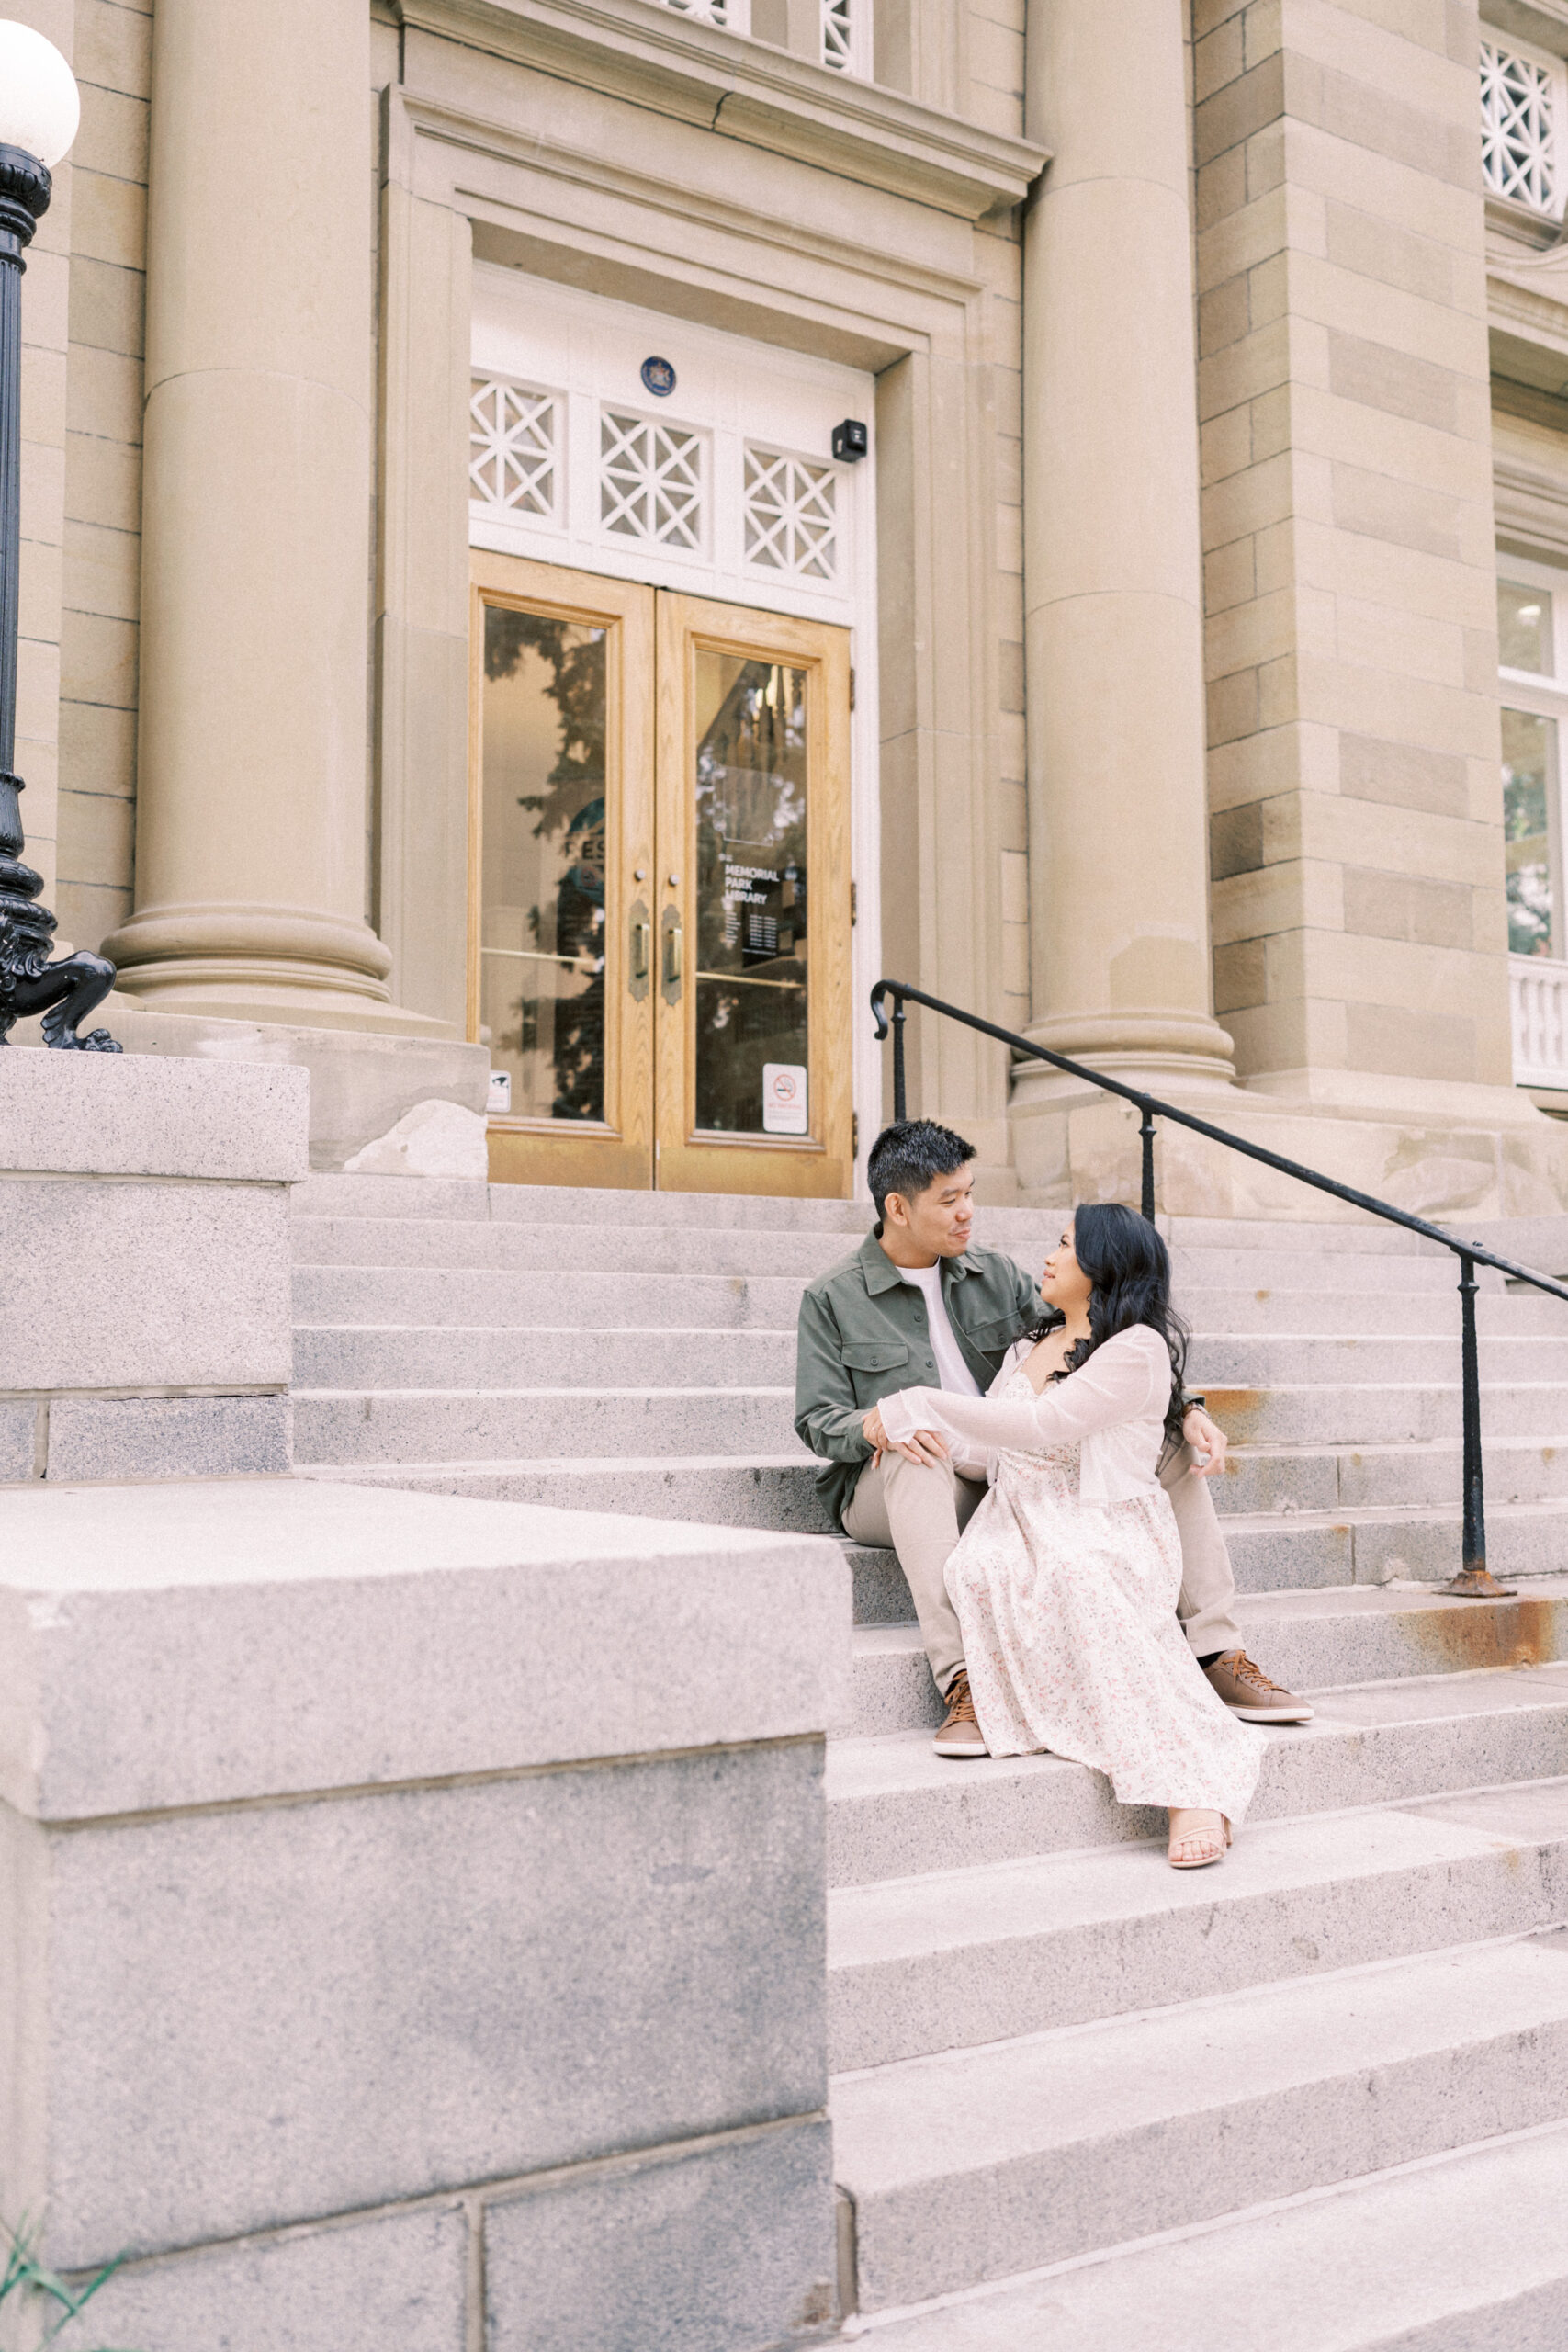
(1247, 1691)
(960, 1736)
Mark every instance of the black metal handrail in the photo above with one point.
(1474, 1580)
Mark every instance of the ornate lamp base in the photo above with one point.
(64, 994)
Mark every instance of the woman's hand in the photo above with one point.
(1204, 1436)
(925, 1445)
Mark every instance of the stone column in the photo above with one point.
(1113, 621)
(252, 799)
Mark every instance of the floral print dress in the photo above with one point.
(1067, 1605)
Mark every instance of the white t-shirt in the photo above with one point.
(952, 1373)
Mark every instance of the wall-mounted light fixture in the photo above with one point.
(850, 440)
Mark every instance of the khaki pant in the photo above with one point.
(919, 1509)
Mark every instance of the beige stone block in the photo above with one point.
(97, 659)
(1011, 753)
(1344, 432)
(996, 56)
(1236, 841)
(1009, 538)
(1232, 707)
(1015, 963)
(37, 691)
(1378, 377)
(1279, 690)
(1010, 607)
(1230, 576)
(1010, 677)
(1014, 887)
(114, 47)
(1217, 59)
(1389, 188)
(995, 111)
(113, 137)
(1221, 188)
(1268, 289)
(1389, 638)
(1407, 1042)
(1381, 572)
(1236, 111)
(1276, 898)
(46, 298)
(1225, 443)
(1223, 315)
(1207, 15)
(1285, 759)
(1266, 152)
(102, 570)
(1263, 29)
(104, 394)
(1360, 968)
(98, 748)
(1412, 710)
(1377, 249)
(1239, 240)
(43, 377)
(95, 839)
(1406, 775)
(1240, 975)
(1381, 60)
(1248, 502)
(103, 481)
(1339, 298)
(106, 305)
(1007, 388)
(40, 569)
(1403, 906)
(1255, 364)
(1440, 144)
(1248, 634)
(1401, 841)
(1384, 509)
(88, 913)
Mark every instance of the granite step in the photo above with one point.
(399, 1426)
(716, 1490)
(976, 2163)
(485, 1355)
(438, 1297)
(1309, 1640)
(599, 1248)
(896, 1808)
(1466, 2252)
(952, 1958)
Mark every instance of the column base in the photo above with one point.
(261, 963)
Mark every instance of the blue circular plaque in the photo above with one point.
(660, 378)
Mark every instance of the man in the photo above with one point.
(920, 1306)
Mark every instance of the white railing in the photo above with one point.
(1537, 986)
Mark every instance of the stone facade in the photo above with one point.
(1225, 812)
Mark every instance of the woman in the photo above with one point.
(1066, 1579)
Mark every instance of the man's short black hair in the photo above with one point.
(910, 1157)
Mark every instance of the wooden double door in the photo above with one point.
(660, 885)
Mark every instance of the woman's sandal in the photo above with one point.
(1194, 1847)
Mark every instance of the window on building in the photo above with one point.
(846, 36)
(1532, 637)
(1524, 124)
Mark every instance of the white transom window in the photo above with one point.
(846, 36)
(1524, 120)
(514, 445)
(623, 441)
(1532, 630)
(732, 16)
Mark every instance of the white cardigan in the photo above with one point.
(1115, 1405)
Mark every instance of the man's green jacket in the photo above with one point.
(863, 1334)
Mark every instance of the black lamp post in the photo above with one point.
(38, 119)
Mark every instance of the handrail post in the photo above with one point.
(900, 1107)
(1146, 1133)
(1474, 1581)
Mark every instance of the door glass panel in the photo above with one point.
(750, 975)
(542, 888)
(1529, 824)
(1524, 628)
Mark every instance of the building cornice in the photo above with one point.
(747, 91)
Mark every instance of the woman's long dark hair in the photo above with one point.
(1130, 1267)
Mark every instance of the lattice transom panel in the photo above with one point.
(839, 47)
(706, 12)
(1520, 126)
(790, 514)
(653, 480)
(515, 462)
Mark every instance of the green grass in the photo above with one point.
(25, 2276)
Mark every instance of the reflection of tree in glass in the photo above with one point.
(572, 804)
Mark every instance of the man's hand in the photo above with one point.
(924, 1446)
(1204, 1436)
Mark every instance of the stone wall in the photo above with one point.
(415, 1921)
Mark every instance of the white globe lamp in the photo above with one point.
(39, 108)
(38, 114)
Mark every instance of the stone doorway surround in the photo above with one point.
(635, 154)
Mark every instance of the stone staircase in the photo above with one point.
(1315, 2100)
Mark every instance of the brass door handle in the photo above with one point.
(674, 936)
(641, 953)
